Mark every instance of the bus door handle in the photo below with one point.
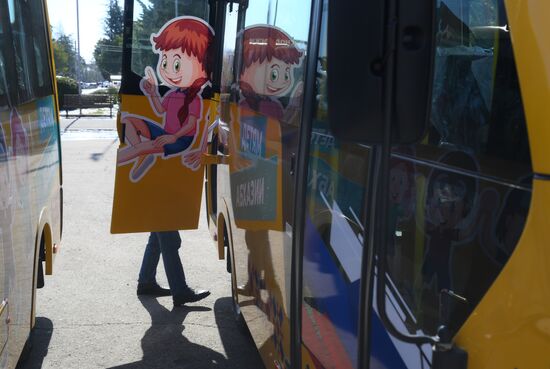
(4, 307)
(210, 159)
(292, 164)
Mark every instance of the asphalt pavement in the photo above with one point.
(88, 314)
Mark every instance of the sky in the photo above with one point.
(293, 18)
(92, 13)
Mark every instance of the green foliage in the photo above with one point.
(65, 85)
(108, 56)
(152, 15)
(65, 56)
(114, 23)
(108, 91)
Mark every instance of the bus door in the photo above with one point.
(168, 107)
(262, 84)
(337, 178)
(218, 141)
(456, 205)
(458, 199)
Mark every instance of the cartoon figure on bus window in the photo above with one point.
(7, 210)
(269, 59)
(20, 151)
(183, 47)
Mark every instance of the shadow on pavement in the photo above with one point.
(237, 343)
(97, 156)
(165, 345)
(40, 341)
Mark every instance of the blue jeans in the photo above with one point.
(167, 244)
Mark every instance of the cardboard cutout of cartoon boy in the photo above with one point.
(152, 194)
(182, 45)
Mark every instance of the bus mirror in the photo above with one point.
(377, 62)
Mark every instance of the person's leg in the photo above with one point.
(170, 243)
(147, 282)
(151, 257)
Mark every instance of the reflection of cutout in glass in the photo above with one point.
(268, 62)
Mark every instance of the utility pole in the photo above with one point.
(78, 57)
(78, 48)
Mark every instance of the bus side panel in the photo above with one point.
(531, 38)
(32, 188)
(47, 168)
(262, 89)
(510, 327)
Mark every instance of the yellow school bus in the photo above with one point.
(30, 169)
(376, 179)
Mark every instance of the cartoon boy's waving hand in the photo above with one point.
(149, 84)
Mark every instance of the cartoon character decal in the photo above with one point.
(165, 114)
(263, 122)
(20, 153)
(183, 47)
(267, 70)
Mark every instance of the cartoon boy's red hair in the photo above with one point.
(191, 35)
(264, 42)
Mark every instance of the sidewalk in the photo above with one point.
(84, 123)
(88, 128)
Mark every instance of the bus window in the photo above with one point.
(459, 199)
(23, 57)
(7, 65)
(40, 48)
(149, 18)
(337, 176)
(3, 82)
(31, 49)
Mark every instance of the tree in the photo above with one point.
(114, 23)
(108, 56)
(65, 56)
(154, 14)
(108, 50)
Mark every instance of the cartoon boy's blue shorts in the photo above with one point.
(181, 143)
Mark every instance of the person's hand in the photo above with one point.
(149, 84)
(164, 140)
(193, 159)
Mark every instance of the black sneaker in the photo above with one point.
(190, 296)
(152, 289)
